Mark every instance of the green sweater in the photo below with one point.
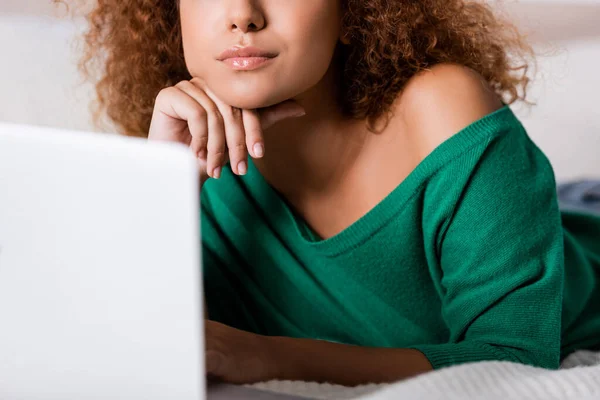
(468, 259)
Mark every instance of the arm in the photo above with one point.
(500, 257)
(321, 361)
(502, 262)
(241, 357)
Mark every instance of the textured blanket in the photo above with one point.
(578, 378)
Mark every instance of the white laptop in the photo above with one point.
(100, 278)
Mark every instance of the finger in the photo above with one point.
(202, 177)
(254, 134)
(214, 117)
(179, 105)
(268, 115)
(198, 142)
(234, 133)
(215, 363)
(236, 141)
(212, 145)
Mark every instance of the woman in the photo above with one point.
(379, 210)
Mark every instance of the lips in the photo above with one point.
(242, 52)
(247, 63)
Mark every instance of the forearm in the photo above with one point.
(321, 361)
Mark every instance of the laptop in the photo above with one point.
(100, 270)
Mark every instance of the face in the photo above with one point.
(302, 33)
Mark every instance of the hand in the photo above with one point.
(190, 113)
(236, 356)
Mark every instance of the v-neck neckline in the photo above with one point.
(363, 228)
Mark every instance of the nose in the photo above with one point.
(245, 16)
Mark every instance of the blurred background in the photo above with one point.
(40, 84)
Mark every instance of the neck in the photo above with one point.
(311, 155)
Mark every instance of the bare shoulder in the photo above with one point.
(440, 102)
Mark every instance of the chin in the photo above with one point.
(247, 103)
(249, 96)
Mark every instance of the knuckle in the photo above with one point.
(182, 84)
(235, 113)
(238, 147)
(201, 141)
(218, 116)
(196, 81)
(165, 93)
(197, 147)
(213, 110)
(220, 152)
(254, 133)
(198, 113)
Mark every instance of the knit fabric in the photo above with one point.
(468, 259)
(578, 379)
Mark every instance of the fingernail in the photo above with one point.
(300, 113)
(259, 150)
(242, 168)
(217, 173)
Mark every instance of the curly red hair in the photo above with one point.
(133, 49)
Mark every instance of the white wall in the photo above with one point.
(38, 74)
(565, 123)
(40, 83)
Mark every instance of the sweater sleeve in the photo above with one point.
(501, 261)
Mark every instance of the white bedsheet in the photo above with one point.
(578, 378)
